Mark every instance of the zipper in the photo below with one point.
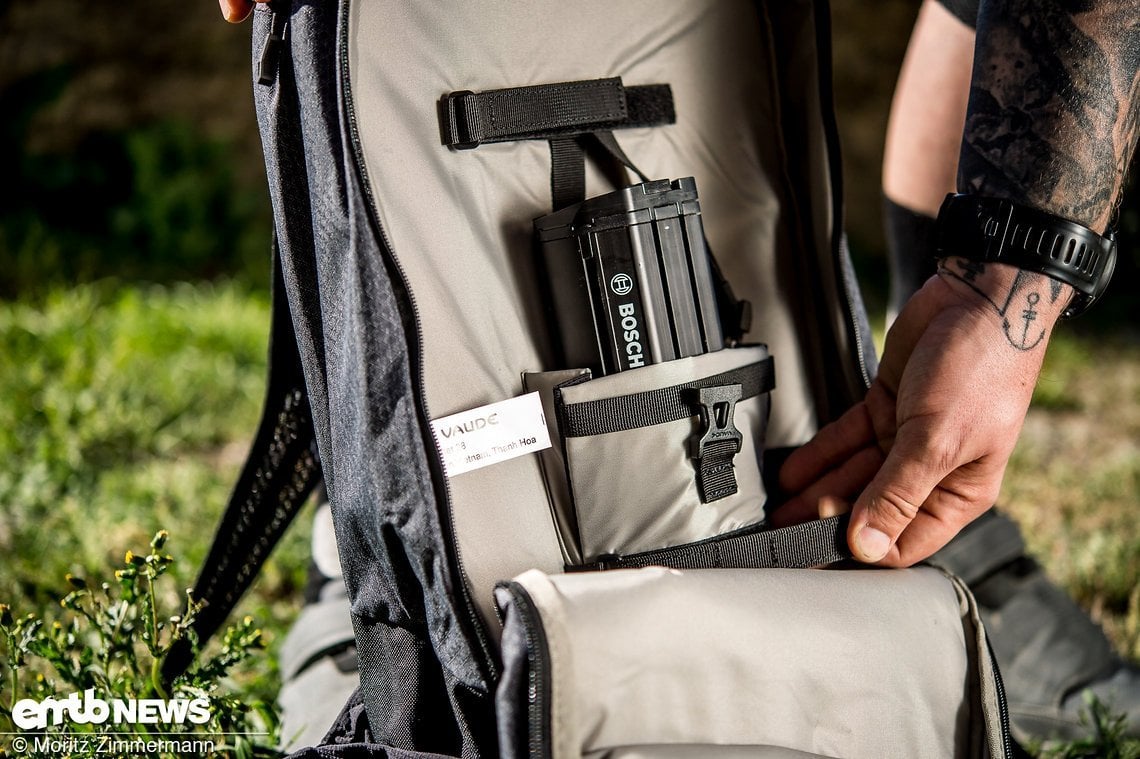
(409, 315)
(271, 49)
(538, 674)
(1003, 705)
(835, 169)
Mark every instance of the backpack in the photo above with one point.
(616, 593)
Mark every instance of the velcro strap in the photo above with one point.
(811, 544)
(540, 112)
(668, 404)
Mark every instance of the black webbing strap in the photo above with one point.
(668, 404)
(567, 172)
(549, 111)
(575, 117)
(568, 165)
(716, 474)
(811, 544)
(280, 471)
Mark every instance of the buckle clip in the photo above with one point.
(716, 406)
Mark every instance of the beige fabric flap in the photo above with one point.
(856, 663)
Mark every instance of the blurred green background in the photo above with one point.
(134, 268)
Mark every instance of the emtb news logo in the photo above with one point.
(29, 714)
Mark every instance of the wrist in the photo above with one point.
(1026, 304)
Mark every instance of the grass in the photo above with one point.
(1074, 478)
(124, 410)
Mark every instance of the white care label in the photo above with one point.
(492, 433)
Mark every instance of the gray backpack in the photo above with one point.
(617, 592)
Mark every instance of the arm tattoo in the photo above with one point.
(1019, 307)
(1054, 108)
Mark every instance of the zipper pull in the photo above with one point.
(271, 50)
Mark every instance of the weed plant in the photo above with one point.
(106, 642)
(123, 409)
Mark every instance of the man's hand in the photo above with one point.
(236, 11)
(934, 433)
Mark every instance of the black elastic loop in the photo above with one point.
(610, 145)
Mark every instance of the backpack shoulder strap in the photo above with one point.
(280, 472)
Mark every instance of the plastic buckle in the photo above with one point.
(717, 406)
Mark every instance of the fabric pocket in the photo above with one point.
(746, 663)
(660, 456)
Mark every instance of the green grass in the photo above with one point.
(123, 410)
(1074, 478)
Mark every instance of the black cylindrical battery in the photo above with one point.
(628, 278)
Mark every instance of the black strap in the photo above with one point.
(575, 117)
(548, 111)
(567, 172)
(716, 474)
(668, 404)
(280, 471)
(609, 144)
(568, 165)
(811, 544)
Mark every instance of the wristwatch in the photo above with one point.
(984, 229)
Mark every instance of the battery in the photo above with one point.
(628, 281)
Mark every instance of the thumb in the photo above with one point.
(890, 503)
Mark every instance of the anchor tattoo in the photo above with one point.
(1019, 335)
(1028, 316)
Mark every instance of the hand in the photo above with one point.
(236, 11)
(926, 449)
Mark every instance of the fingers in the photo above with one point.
(830, 506)
(236, 11)
(840, 484)
(894, 498)
(831, 446)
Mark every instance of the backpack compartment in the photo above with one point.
(458, 223)
(625, 475)
(734, 663)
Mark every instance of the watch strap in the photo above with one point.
(985, 229)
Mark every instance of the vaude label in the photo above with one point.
(489, 434)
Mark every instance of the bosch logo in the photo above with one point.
(621, 284)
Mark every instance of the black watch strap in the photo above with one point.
(985, 229)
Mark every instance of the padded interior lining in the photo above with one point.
(459, 223)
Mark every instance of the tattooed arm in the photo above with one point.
(1051, 123)
(1053, 119)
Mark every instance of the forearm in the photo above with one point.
(1053, 114)
(924, 131)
